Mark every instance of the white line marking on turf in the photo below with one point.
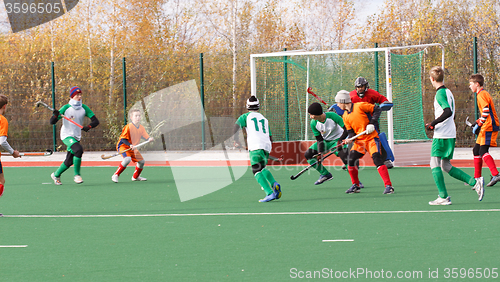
(339, 240)
(13, 246)
(47, 183)
(243, 213)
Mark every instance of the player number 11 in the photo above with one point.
(262, 121)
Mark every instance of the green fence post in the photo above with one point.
(52, 73)
(376, 68)
(202, 96)
(124, 67)
(287, 126)
(475, 71)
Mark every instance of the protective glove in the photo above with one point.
(56, 113)
(370, 128)
(86, 128)
(429, 126)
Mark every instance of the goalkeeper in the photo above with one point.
(364, 93)
(71, 134)
(327, 128)
(131, 136)
(359, 117)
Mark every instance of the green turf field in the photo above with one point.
(130, 231)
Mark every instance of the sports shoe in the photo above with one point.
(114, 178)
(389, 189)
(139, 178)
(441, 202)
(344, 167)
(1, 215)
(361, 185)
(277, 190)
(389, 164)
(78, 179)
(479, 187)
(268, 198)
(354, 189)
(57, 180)
(323, 178)
(494, 180)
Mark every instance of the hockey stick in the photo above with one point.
(293, 177)
(47, 153)
(272, 158)
(105, 157)
(40, 103)
(309, 90)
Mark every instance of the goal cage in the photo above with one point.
(280, 82)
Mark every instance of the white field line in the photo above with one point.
(13, 246)
(339, 240)
(244, 214)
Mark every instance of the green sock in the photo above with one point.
(261, 179)
(267, 174)
(62, 168)
(462, 176)
(437, 173)
(319, 167)
(77, 162)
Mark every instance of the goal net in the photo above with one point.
(281, 80)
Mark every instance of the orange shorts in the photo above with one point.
(371, 145)
(487, 138)
(133, 154)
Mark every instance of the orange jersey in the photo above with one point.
(359, 118)
(484, 100)
(4, 129)
(132, 134)
(4, 126)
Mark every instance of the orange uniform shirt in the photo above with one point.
(133, 135)
(484, 100)
(4, 126)
(359, 118)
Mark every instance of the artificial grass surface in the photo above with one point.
(141, 231)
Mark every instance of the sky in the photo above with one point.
(365, 8)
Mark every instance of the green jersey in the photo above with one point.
(331, 129)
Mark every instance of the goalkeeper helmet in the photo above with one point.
(360, 82)
(253, 103)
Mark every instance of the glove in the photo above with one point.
(429, 126)
(86, 128)
(476, 129)
(56, 113)
(370, 128)
(385, 106)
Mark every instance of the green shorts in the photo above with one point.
(259, 156)
(443, 148)
(69, 141)
(328, 146)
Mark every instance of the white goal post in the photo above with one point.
(290, 56)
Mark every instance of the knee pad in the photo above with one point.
(69, 159)
(446, 165)
(435, 162)
(77, 150)
(475, 150)
(343, 155)
(126, 161)
(353, 158)
(257, 168)
(377, 159)
(483, 149)
(140, 164)
(310, 153)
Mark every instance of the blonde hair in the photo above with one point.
(437, 73)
